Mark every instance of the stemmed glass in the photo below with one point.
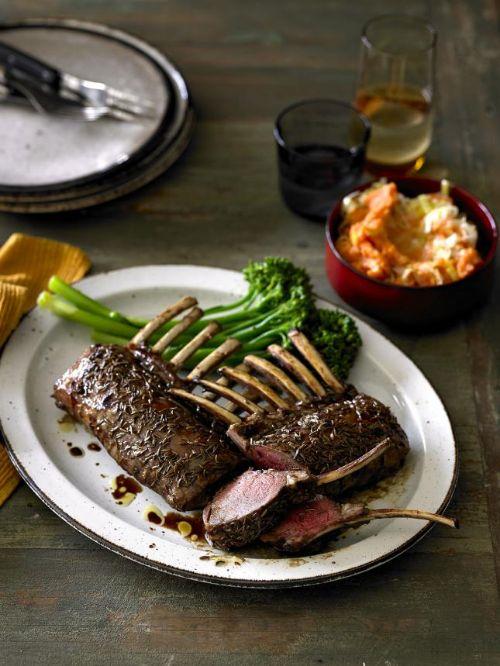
(396, 90)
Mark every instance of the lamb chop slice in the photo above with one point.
(324, 434)
(120, 394)
(304, 526)
(257, 500)
(325, 431)
(251, 504)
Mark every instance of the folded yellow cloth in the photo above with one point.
(26, 264)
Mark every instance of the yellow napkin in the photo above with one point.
(26, 264)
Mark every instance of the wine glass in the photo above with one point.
(395, 91)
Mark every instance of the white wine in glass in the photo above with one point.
(395, 92)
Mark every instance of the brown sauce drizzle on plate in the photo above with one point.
(179, 522)
(125, 489)
(190, 527)
(93, 446)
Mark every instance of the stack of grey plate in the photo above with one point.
(51, 163)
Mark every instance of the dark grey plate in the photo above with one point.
(104, 159)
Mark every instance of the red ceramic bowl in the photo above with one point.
(416, 307)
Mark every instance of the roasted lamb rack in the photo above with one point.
(335, 438)
(306, 525)
(283, 509)
(317, 426)
(257, 500)
(120, 394)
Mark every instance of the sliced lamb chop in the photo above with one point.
(336, 426)
(257, 499)
(251, 504)
(120, 394)
(305, 525)
(324, 434)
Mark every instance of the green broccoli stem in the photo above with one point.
(233, 320)
(234, 331)
(256, 345)
(276, 320)
(81, 300)
(199, 325)
(247, 298)
(67, 310)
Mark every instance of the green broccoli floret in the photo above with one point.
(335, 335)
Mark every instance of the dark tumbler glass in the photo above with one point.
(321, 152)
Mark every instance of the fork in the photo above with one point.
(51, 104)
(22, 69)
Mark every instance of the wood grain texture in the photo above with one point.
(63, 599)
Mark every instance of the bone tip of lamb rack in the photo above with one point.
(239, 399)
(199, 339)
(166, 315)
(314, 358)
(193, 315)
(297, 368)
(219, 412)
(214, 359)
(276, 375)
(245, 378)
(355, 465)
(418, 514)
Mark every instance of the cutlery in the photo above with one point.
(47, 103)
(45, 86)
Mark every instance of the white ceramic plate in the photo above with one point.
(78, 490)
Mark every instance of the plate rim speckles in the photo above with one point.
(18, 424)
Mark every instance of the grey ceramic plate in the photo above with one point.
(50, 163)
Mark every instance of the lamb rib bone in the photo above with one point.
(354, 465)
(237, 398)
(297, 368)
(245, 378)
(214, 358)
(312, 355)
(194, 344)
(222, 414)
(192, 316)
(249, 393)
(276, 376)
(307, 523)
(160, 319)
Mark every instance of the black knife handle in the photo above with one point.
(22, 66)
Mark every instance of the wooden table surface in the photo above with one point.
(64, 599)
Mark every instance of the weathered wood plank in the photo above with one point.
(63, 598)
